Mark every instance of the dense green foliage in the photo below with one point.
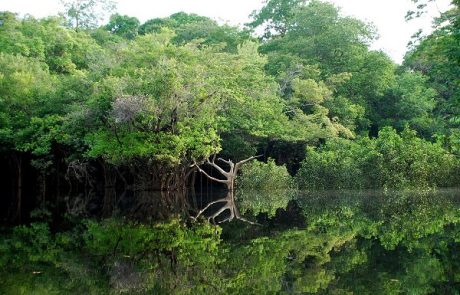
(390, 161)
(140, 103)
(94, 117)
(437, 57)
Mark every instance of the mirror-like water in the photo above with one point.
(371, 242)
(273, 242)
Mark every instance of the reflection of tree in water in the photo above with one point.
(218, 208)
(142, 205)
(256, 201)
(156, 205)
(253, 202)
(358, 242)
(348, 243)
(366, 242)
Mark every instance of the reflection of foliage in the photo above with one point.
(257, 201)
(351, 243)
(292, 262)
(405, 242)
(162, 258)
(161, 251)
(41, 263)
(389, 243)
(407, 220)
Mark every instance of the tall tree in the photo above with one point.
(86, 14)
(438, 57)
(123, 25)
(276, 16)
(310, 40)
(195, 28)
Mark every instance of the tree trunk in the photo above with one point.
(110, 178)
(17, 158)
(193, 180)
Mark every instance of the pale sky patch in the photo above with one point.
(387, 15)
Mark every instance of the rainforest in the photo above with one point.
(186, 156)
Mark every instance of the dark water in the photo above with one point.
(267, 242)
(342, 242)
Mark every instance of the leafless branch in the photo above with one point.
(238, 165)
(209, 176)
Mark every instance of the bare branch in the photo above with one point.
(210, 177)
(220, 211)
(229, 162)
(230, 205)
(238, 165)
(207, 206)
(248, 221)
(218, 168)
(239, 217)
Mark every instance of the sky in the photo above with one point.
(386, 15)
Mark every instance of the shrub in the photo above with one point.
(389, 161)
(258, 175)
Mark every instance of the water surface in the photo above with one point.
(347, 242)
